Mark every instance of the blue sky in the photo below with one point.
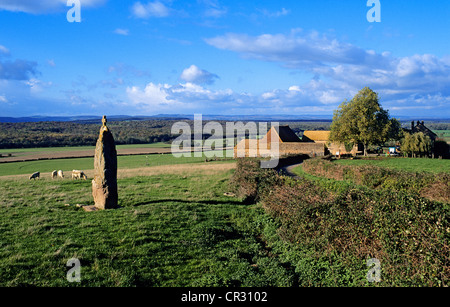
(222, 57)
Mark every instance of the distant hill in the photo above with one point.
(84, 118)
(273, 118)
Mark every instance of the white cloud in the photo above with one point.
(295, 88)
(4, 50)
(315, 96)
(124, 32)
(296, 50)
(151, 9)
(180, 98)
(43, 6)
(282, 12)
(196, 75)
(3, 99)
(153, 95)
(37, 86)
(213, 8)
(342, 69)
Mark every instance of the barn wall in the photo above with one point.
(252, 150)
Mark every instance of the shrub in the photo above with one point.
(250, 181)
(332, 231)
(431, 186)
(408, 235)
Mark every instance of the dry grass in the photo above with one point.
(203, 168)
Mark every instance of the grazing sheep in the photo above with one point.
(54, 174)
(60, 174)
(78, 175)
(35, 175)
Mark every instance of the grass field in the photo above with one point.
(67, 165)
(24, 151)
(173, 229)
(407, 164)
(444, 134)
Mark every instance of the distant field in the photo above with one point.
(30, 153)
(67, 165)
(72, 148)
(407, 164)
(444, 134)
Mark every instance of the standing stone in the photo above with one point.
(104, 184)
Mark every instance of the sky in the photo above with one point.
(222, 57)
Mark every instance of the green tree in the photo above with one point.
(416, 144)
(424, 144)
(408, 145)
(363, 120)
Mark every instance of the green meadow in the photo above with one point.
(171, 230)
(444, 134)
(406, 164)
(28, 151)
(124, 162)
(175, 228)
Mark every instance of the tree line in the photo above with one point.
(362, 120)
(85, 133)
(59, 134)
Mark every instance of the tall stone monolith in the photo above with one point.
(104, 184)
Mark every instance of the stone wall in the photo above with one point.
(311, 149)
(253, 150)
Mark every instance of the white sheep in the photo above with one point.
(78, 175)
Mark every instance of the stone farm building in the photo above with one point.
(337, 149)
(314, 143)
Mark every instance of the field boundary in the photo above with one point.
(84, 154)
(175, 169)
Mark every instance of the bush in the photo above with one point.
(331, 231)
(250, 181)
(408, 235)
(431, 186)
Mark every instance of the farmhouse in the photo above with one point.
(313, 143)
(323, 137)
(420, 127)
(286, 140)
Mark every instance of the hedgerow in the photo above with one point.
(331, 232)
(428, 185)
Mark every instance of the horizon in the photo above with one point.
(205, 117)
(265, 58)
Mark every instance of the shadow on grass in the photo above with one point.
(204, 202)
